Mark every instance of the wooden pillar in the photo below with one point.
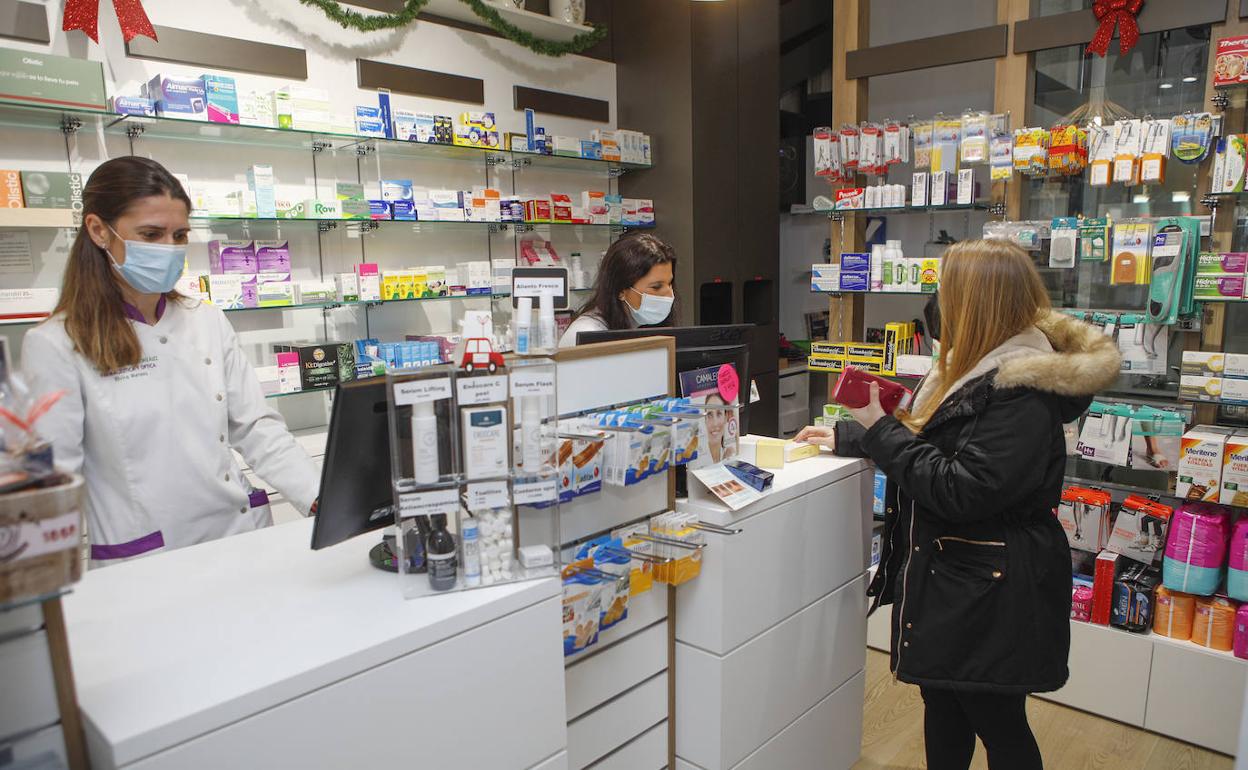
(1015, 79)
(851, 30)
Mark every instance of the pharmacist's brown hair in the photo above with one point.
(91, 303)
(990, 291)
(626, 262)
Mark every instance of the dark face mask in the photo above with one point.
(931, 316)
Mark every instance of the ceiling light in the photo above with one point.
(1190, 79)
(1166, 85)
(1140, 199)
(1180, 196)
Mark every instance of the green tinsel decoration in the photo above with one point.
(411, 8)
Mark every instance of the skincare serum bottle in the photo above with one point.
(877, 267)
(524, 326)
(440, 555)
(425, 443)
(546, 323)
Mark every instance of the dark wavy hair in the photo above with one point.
(91, 301)
(627, 262)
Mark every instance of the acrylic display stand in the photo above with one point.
(477, 448)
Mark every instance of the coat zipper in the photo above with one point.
(905, 581)
(940, 543)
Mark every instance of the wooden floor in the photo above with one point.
(1069, 739)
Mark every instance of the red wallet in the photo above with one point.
(853, 389)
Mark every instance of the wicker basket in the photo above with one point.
(40, 540)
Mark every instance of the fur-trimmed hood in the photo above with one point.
(1081, 362)
(1059, 355)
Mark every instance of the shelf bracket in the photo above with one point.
(135, 131)
(496, 227)
(520, 163)
(320, 146)
(495, 160)
(364, 150)
(615, 172)
(1209, 201)
(1220, 99)
(70, 124)
(325, 227)
(997, 209)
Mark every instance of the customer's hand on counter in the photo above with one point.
(819, 435)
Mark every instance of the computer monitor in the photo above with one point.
(356, 495)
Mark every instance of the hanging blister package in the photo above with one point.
(1002, 154)
(827, 154)
(849, 150)
(1143, 345)
(1192, 136)
(896, 143)
(1132, 241)
(1106, 434)
(1175, 249)
(1229, 163)
(946, 144)
(1064, 236)
(871, 149)
(922, 146)
(974, 150)
(1155, 150)
(1127, 143)
(1156, 438)
(1100, 155)
(1031, 151)
(1094, 239)
(1068, 150)
(1106, 322)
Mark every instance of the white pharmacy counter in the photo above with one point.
(255, 651)
(771, 637)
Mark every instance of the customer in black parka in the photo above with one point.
(974, 561)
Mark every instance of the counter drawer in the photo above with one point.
(728, 707)
(793, 420)
(28, 695)
(600, 732)
(784, 559)
(1195, 694)
(599, 678)
(647, 751)
(827, 736)
(794, 387)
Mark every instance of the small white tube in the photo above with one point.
(531, 434)
(524, 325)
(546, 323)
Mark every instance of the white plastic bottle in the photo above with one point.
(425, 443)
(877, 267)
(470, 542)
(523, 324)
(895, 258)
(546, 324)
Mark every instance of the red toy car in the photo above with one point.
(478, 354)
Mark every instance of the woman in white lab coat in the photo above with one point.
(636, 286)
(158, 391)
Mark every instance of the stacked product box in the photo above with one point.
(319, 366)
(1220, 276)
(1215, 377)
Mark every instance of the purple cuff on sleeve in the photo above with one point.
(144, 544)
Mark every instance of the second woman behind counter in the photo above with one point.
(635, 287)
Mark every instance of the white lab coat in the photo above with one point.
(154, 441)
(590, 322)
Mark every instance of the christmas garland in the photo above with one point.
(411, 8)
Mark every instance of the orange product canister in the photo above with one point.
(1174, 614)
(1215, 623)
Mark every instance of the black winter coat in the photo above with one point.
(974, 561)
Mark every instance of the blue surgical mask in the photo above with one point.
(654, 308)
(151, 268)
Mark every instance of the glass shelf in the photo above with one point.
(976, 206)
(361, 303)
(16, 115)
(225, 220)
(302, 392)
(879, 293)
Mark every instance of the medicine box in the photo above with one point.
(370, 281)
(1139, 531)
(318, 366)
(1219, 286)
(348, 286)
(1202, 363)
(1213, 262)
(288, 380)
(1108, 567)
(133, 105)
(855, 262)
(369, 122)
(224, 290)
(27, 303)
(238, 257)
(1234, 488)
(1200, 464)
(485, 437)
(1236, 365)
(1199, 388)
(1085, 516)
(52, 190)
(179, 97)
(826, 278)
(221, 98)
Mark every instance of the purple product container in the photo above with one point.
(273, 256)
(232, 257)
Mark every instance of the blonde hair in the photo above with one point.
(989, 292)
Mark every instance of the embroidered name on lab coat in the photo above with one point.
(142, 369)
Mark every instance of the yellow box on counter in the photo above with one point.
(770, 453)
(799, 450)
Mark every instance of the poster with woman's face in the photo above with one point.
(720, 430)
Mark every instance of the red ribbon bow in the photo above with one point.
(1113, 14)
(85, 15)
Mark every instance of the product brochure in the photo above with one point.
(726, 487)
(714, 386)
